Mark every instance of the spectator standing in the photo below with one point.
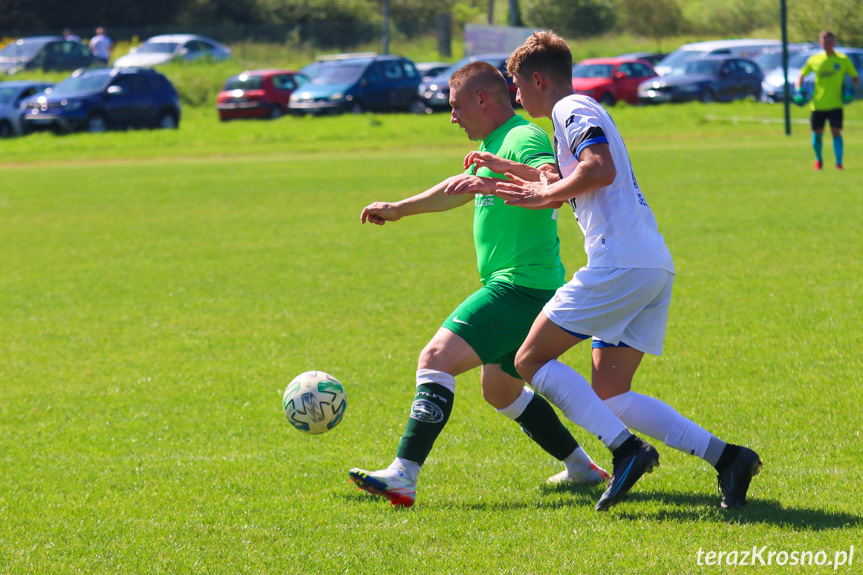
(101, 46)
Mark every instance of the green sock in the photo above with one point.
(429, 414)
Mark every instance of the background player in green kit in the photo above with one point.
(519, 264)
(830, 69)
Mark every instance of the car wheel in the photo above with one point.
(5, 129)
(356, 108)
(167, 120)
(707, 96)
(96, 123)
(607, 100)
(275, 112)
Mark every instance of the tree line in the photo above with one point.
(361, 19)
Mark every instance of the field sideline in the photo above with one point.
(160, 288)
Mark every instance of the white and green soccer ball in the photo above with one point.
(314, 402)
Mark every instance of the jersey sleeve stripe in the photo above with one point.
(588, 134)
(592, 141)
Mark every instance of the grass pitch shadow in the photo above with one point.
(677, 506)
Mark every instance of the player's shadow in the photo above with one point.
(701, 507)
(672, 506)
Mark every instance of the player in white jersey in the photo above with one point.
(621, 297)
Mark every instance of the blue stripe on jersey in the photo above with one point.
(589, 134)
(583, 145)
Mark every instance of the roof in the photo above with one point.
(719, 44)
(178, 38)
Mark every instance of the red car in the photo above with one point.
(610, 80)
(258, 94)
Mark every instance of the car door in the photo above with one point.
(750, 78)
(728, 82)
(375, 91)
(127, 102)
(626, 80)
(283, 86)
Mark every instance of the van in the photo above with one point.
(358, 85)
(739, 48)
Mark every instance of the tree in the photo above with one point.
(655, 19)
(574, 18)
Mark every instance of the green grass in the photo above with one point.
(160, 288)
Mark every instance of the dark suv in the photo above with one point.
(359, 84)
(102, 99)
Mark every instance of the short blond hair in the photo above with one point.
(478, 76)
(544, 52)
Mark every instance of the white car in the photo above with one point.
(160, 49)
(11, 95)
(676, 61)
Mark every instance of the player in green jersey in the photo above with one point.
(519, 264)
(830, 69)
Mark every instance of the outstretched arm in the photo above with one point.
(432, 200)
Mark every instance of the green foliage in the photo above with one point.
(577, 18)
(844, 17)
(161, 288)
(730, 18)
(656, 19)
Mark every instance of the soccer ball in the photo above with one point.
(314, 402)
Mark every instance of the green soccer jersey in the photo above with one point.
(830, 74)
(513, 244)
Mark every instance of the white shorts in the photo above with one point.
(615, 305)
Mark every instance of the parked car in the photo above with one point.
(676, 60)
(47, 53)
(707, 79)
(11, 96)
(103, 98)
(258, 94)
(610, 80)
(160, 49)
(434, 92)
(773, 86)
(652, 57)
(430, 69)
(359, 84)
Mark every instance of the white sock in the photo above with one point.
(405, 467)
(517, 407)
(569, 391)
(659, 420)
(578, 462)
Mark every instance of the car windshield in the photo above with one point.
(157, 48)
(771, 59)
(592, 71)
(21, 50)
(243, 82)
(706, 67)
(338, 74)
(677, 60)
(84, 83)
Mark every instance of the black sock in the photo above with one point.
(729, 454)
(626, 448)
(541, 424)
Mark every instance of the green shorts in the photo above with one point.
(496, 319)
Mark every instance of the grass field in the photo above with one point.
(158, 289)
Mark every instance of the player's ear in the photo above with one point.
(539, 79)
(481, 98)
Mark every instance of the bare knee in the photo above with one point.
(499, 389)
(527, 365)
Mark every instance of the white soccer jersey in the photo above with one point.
(620, 230)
